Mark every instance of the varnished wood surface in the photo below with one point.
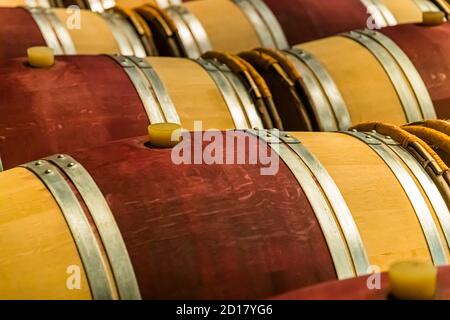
(94, 35)
(194, 93)
(381, 209)
(365, 86)
(404, 11)
(36, 245)
(209, 231)
(428, 49)
(228, 28)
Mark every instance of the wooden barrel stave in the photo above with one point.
(18, 24)
(367, 76)
(304, 21)
(199, 26)
(429, 53)
(93, 100)
(185, 243)
(105, 40)
(35, 239)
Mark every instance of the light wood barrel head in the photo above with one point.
(193, 92)
(365, 86)
(94, 36)
(379, 205)
(37, 246)
(228, 28)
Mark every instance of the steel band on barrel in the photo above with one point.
(46, 29)
(190, 31)
(426, 6)
(53, 31)
(154, 96)
(412, 75)
(242, 93)
(130, 34)
(266, 25)
(382, 16)
(424, 179)
(105, 222)
(61, 32)
(394, 71)
(121, 39)
(430, 230)
(91, 256)
(332, 113)
(162, 96)
(346, 248)
(239, 102)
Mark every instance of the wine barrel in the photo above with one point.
(357, 289)
(198, 26)
(94, 5)
(360, 76)
(110, 33)
(101, 98)
(158, 224)
(434, 132)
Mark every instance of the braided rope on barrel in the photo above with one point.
(439, 125)
(163, 23)
(437, 140)
(403, 137)
(415, 139)
(258, 85)
(272, 60)
(141, 28)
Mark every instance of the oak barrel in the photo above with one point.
(359, 76)
(86, 100)
(224, 25)
(334, 205)
(94, 5)
(67, 31)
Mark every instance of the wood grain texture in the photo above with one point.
(379, 206)
(356, 289)
(365, 86)
(37, 246)
(429, 52)
(84, 101)
(228, 28)
(18, 32)
(404, 11)
(209, 231)
(81, 101)
(194, 93)
(306, 20)
(94, 35)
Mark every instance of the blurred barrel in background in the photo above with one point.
(198, 26)
(87, 100)
(69, 32)
(94, 5)
(358, 289)
(334, 206)
(359, 76)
